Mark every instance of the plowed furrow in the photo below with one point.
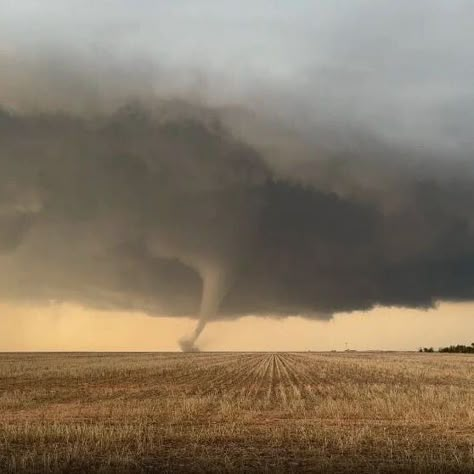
(307, 381)
(290, 380)
(188, 375)
(254, 378)
(270, 392)
(216, 381)
(231, 380)
(280, 382)
(251, 375)
(193, 370)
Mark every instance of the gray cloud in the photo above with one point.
(136, 208)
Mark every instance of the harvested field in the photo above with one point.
(234, 412)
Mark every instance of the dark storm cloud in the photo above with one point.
(138, 208)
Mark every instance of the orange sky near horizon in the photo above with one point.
(66, 327)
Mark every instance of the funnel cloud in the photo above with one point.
(320, 179)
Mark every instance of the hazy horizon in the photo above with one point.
(69, 328)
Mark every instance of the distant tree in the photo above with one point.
(458, 349)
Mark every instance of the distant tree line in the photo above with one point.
(460, 348)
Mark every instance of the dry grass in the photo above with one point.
(237, 412)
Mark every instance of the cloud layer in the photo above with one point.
(137, 208)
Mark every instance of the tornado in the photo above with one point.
(213, 290)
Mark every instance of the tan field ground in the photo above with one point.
(234, 412)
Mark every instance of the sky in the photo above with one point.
(296, 174)
(405, 68)
(65, 327)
